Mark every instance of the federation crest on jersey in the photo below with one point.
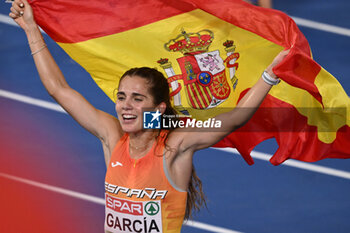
(203, 72)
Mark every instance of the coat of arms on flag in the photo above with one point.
(203, 72)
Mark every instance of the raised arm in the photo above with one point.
(232, 120)
(100, 124)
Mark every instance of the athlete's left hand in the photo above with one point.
(276, 61)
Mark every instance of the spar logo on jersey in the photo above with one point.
(152, 120)
(152, 208)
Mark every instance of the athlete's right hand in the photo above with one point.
(22, 14)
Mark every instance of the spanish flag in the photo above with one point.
(211, 52)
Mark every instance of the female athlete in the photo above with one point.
(150, 183)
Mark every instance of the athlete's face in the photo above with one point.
(132, 98)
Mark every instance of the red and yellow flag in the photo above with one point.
(212, 52)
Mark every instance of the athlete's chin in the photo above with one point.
(131, 128)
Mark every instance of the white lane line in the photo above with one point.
(101, 201)
(254, 154)
(295, 163)
(55, 189)
(32, 101)
(321, 26)
(8, 20)
(208, 227)
(299, 21)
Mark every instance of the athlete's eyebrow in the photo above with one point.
(138, 95)
(134, 94)
(120, 93)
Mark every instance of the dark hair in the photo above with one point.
(159, 89)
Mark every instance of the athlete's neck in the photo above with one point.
(141, 142)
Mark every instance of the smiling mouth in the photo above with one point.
(128, 117)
